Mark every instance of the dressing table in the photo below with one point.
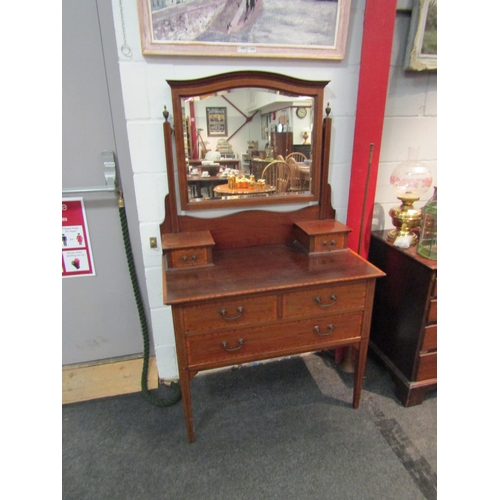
(260, 283)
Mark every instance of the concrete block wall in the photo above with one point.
(145, 92)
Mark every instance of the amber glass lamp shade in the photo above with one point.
(410, 180)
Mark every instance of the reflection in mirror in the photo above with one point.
(246, 145)
(237, 133)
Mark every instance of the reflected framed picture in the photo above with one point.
(216, 122)
(302, 29)
(421, 51)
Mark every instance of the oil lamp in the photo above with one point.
(410, 180)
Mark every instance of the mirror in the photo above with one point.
(247, 138)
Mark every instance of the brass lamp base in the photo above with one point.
(406, 218)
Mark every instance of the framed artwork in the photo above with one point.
(421, 51)
(216, 122)
(245, 28)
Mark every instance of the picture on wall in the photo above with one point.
(310, 29)
(421, 52)
(216, 122)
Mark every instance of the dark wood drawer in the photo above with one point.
(430, 338)
(229, 313)
(427, 366)
(259, 342)
(432, 316)
(323, 300)
(434, 291)
(330, 242)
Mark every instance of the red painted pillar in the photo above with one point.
(194, 133)
(378, 32)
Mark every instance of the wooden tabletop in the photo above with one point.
(201, 178)
(410, 252)
(223, 189)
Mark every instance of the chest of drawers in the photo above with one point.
(269, 301)
(404, 322)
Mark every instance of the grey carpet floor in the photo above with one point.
(278, 430)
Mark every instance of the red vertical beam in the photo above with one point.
(378, 32)
(194, 134)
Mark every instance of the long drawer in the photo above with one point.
(430, 338)
(321, 300)
(432, 316)
(283, 337)
(228, 313)
(427, 366)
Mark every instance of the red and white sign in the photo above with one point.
(76, 252)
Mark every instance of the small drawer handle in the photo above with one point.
(333, 300)
(231, 349)
(332, 243)
(238, 309)
(316, 331)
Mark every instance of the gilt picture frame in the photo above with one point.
(421, 51)
(245, 28)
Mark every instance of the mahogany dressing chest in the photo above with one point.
(259, 283)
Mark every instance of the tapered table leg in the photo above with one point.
(185, 381)
(359, 372)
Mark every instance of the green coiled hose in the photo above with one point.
(148, 396)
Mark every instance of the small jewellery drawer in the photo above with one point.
(329, 242)
(229, 313)
(188, 249)
(323, 300)
(272, 340)
(321, 235)
(188, 257)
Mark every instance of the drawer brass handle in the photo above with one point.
(333, 300)
(223, 314)
(230, 349)
(316, 331)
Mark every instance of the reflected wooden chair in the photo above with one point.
(298, 157)
(299, 182)
(295, 179)
(277, 173)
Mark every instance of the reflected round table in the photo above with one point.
(223, 190)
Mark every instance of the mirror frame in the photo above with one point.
(182, 89)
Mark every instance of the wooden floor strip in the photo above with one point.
(86, 382)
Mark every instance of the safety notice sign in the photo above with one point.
(76, 252)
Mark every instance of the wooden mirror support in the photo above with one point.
(261, 283)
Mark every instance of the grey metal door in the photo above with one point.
(99, 314)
